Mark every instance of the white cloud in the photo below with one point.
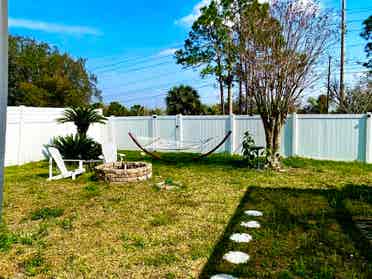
(189, 19)
(166, 52)
(53, 27)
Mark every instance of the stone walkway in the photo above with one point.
(238, 257)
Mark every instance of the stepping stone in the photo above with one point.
(251, 224)
(254, 213)
(236, 257)
(223, 276)
(241, 237)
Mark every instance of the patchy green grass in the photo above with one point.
(304, 234)
(46, 213)
(88, 229)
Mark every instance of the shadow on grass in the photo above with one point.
(315, 231)
(185, 159)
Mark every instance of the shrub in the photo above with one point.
(77, 147)
(248, 153)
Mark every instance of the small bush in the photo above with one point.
(249, 154)
(46, 213)
(77, 147)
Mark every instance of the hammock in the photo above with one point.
(159, 144)
(150, 145)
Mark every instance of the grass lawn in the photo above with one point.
(313, 224)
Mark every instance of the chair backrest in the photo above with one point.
(57, 157)
(110, 152)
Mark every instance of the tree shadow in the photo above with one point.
(337, 203)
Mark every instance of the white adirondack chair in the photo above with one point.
(57, 157)
(110, 153)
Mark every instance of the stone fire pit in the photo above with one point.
(124, 172)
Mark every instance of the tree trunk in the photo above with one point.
(273, 128)
(229, 97)
(240, 96)
(222, 97)
(247, 97)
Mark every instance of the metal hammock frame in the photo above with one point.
(158, 157)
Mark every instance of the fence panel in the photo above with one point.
(202, 128)
(166, 128)
(30, 129)
(140, 126)
(332, 137)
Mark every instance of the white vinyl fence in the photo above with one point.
(30, 129)
(326, 137)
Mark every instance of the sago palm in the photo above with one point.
(82, 117)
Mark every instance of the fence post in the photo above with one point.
(179, 130)
(101, 128)
(233, 134)
(20, 155)
(368, 138)
(294, 134)
(111, 136)
(154, 131)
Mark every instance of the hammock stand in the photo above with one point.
(156, 156)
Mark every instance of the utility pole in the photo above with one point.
(3, 89)
(342, 60)
(329, 82)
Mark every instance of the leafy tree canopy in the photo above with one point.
(367, 34)
(39, 75)
(116, 109)
(316, 105)
(184, 100)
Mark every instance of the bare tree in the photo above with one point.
(355, 100)
(284, 41)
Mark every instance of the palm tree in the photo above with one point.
(82, 117)
(184, 100)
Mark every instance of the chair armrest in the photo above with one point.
(73, 160)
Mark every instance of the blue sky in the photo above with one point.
(129, 44)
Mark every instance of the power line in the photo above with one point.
(158, 87)
(121, 65)
(139, 81)
(136, 59)
(159, 95)
(143, 68)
